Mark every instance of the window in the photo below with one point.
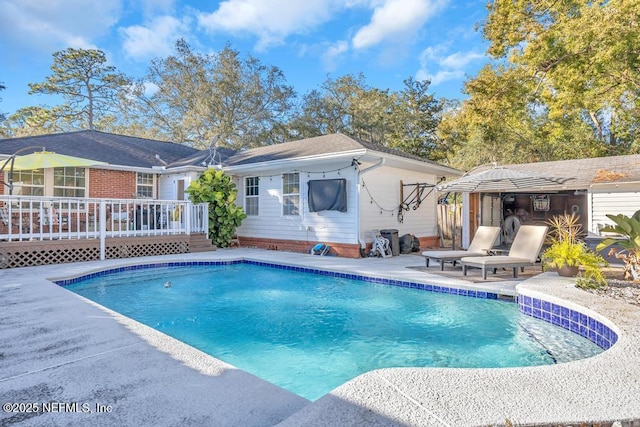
(144, 185)
(251, 195)
(28, 183)
(291, 194)
(69, 182)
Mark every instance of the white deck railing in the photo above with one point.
(45, 218)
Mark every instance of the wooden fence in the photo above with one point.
(448, 215)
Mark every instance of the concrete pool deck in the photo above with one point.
(92, 366)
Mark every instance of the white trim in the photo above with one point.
(257, 196)
(299, 194)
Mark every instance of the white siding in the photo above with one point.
(380, 200)
(324, 226)
(621, 201)
(167, 184)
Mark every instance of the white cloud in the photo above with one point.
(151, 8)
(55, 24)
(332, 54)
(439, 67)
(395, 19)
(270, 20)
(460, 59)
(440, 76)
(156, 38)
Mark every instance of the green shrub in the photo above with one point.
(216, 188)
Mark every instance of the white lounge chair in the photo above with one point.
(524, 252)
(483, 240)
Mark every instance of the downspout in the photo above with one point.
(363, 245)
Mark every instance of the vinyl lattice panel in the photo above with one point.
(146, 249)
(26, 258)
(26, 254)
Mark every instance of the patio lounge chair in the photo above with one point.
(524, 252)
(483, 240)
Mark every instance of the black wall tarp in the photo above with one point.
(328, 195)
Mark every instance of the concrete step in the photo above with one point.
(200, 243)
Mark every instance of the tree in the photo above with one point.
(216, 188)
(564, 84)
(30, 121)
(198, 97)
(333, 109)
(579, 56)
(90, 88)
(406, 120)
(414, 120)
(503, 122)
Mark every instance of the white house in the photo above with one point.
(336, 190)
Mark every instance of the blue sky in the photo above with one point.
(387, 40)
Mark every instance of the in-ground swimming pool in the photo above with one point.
(310, 333)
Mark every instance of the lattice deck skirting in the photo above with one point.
(31, 253)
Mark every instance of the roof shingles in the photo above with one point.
(596, 170)
(317, 146)
(106, 147)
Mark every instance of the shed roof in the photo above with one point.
(587, 172)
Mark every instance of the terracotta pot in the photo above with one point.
(568, 271)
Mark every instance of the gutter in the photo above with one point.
(363, 244)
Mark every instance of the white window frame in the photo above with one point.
(48, 186)
(19, 185)
(67, 177)
(255, 198)
(286, 181)
(140, 185)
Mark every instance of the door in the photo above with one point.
(180, 189)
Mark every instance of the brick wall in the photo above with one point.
(429, 242)
(112, 184)
(339, 249)
(103, 184)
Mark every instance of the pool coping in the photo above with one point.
(559, 394)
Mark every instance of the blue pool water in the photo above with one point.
(310, 333)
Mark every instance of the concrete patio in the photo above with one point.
(92, 366)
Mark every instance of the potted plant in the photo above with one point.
(628, 243)
(567, 253)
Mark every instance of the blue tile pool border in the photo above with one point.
(572, 320)
(378, 280)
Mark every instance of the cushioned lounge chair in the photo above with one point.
(524, 252)
(483, 240)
